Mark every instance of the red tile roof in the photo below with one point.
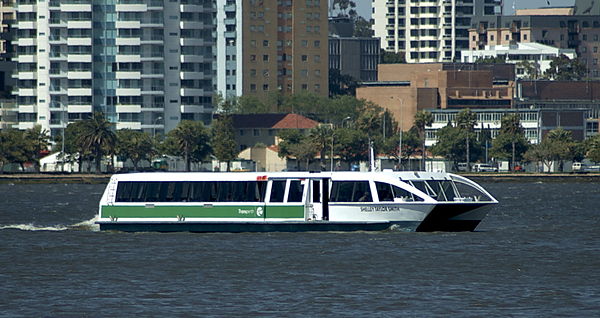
(275, 121)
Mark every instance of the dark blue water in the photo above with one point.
(536, 255)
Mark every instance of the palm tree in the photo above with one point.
(423, 118)
(98, 136)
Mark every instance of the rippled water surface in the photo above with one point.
(537, 254)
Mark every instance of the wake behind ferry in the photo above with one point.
(292, 202)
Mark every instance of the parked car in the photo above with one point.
(484, 167)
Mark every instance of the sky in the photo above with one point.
(364, 6)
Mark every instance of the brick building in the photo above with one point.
(405, 89)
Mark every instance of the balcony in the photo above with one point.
(128, 75)
(79, 92)
(134, 7)
(127, 41)
(75, 7)
(79, 24)
(79, 75)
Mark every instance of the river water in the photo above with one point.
(537, 254)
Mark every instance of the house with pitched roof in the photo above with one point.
(252, 129)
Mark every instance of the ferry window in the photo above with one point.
(466, 191)
(277, 191)
(295, 193)
(404, 195)
(421, 186)
(316, 191)
(351, 191)
(384, 191)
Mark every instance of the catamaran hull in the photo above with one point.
(454, 217)
(237, 227)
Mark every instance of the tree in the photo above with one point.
(351, 145)
(450, 144)
(135, 146)
(531, 69)
(97, 135)
(13, 148)
(510, 143)
(322, 139)
(491, 60)
(541, 152)
(562, 145)
(563, 68)
(466, 120)
(362, 27)
(593, 148)
(223, 139)
(344, 6)
(423, 119)
(249, 104)
(75, 150)
(189, 139)
(294, 144)
(341, 84)
(37, 141)
(392, 57)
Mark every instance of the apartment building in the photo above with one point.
(428, 31)
(579, 30)
(284, 45)
(145, 64)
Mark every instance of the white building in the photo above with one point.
(428, 31)
(538, 53)
(146, 64)
(229, 47)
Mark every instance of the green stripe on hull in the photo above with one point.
(237, 211)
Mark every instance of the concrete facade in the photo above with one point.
(145, 64)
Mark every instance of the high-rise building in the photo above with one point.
(428, 30)
(145, 64)
(272, 46)
(352, 55)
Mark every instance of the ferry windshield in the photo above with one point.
(447, 190)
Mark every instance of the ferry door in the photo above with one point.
(319, 199)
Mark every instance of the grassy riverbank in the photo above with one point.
(479, 177)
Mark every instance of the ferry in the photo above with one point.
(292, 202)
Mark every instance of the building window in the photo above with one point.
(317, 58)
(265, 43)
(265, 87)
(304, 43)
(317, 43)
(492, 37)
(252, 57)
(304, 58)
(256, 132)
(304, 87)
(253, 87)
(253, 72)
(524, 36)
(595, 49)
(266, 57)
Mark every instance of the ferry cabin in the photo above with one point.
(292, 201)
